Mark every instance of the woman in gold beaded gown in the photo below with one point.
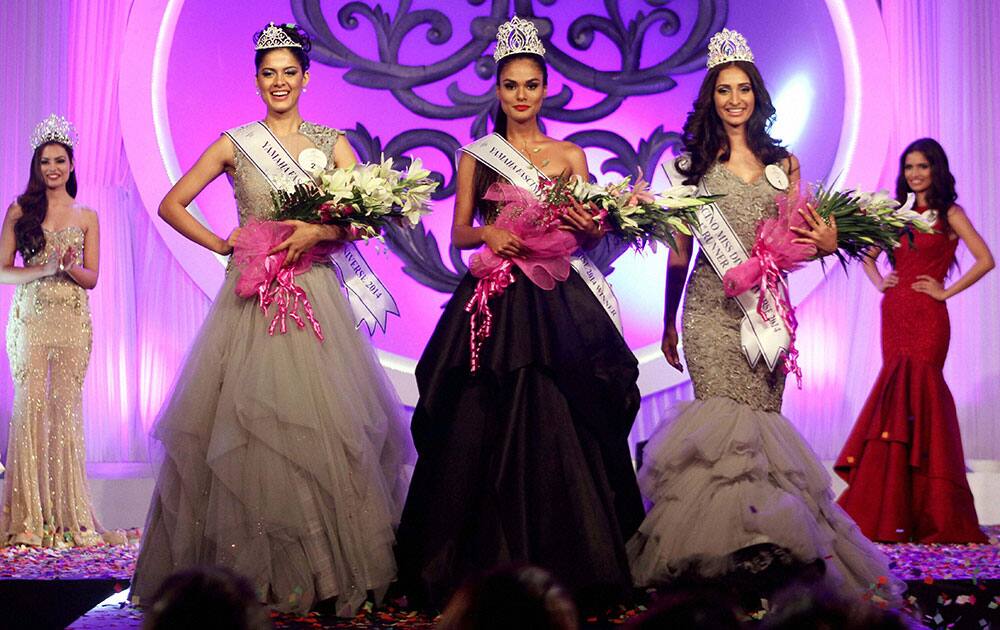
(281, 456)
(737, 492)
(45, 496)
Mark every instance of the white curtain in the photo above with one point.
(944, 60)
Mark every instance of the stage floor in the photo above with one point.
(947, 583)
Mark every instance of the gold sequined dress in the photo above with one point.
(727, 472)
(281, 457)
(46, 501)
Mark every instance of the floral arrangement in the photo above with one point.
(864, 220)
(363, 199)
(630, 211)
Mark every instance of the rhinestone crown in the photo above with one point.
(275, 37)
(726, 46)
(516, 37)
(54, 129)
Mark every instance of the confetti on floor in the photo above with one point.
(950, 581)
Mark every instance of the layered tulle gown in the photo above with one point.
(527, 459)
(282, 457)
(903, 461)
(735, 489)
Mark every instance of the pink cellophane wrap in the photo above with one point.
(774, 254)
(546, 262)
(265, 275)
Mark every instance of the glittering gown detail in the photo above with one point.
(283, 458)
(727, 472)
(46, 501)
(903, 461)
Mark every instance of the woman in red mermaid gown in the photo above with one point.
(903, 461)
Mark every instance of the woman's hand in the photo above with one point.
(67, 260)
(581, 220)
(304, 238)
(669, 347)
(930, 286)
(890, 280)
(822, 233)
(226, 246)
(51, 266)
(502, 242)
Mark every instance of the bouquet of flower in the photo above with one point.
(363, 199)
(866, 220)
(632, 212)
(863, 220)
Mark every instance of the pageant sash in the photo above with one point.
(765, 336)
(495, 152)
(368, 298)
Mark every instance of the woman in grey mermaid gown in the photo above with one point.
(281, 457)
(727, 473)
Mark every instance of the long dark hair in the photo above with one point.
(29, 238)
(704, 133)
(297, 35)
(941, 195)
(484, 176)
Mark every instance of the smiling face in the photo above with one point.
(54, 165)
(521, 89)
(917, 171)
(734, 99)
(280, 80)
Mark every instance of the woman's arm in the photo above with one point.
(463, 234)
(678, 262)
(86, 274)
(10, 274)
(579, 219)
(959, 222)
(173, 208)
(820, 233)
(871, 270)
(308, 235)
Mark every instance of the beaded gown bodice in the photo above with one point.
(711, 321)
(251, 188)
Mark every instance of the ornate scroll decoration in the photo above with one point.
(418, 247)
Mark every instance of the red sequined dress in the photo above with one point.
(903, 461)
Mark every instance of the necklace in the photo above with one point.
(529, 152)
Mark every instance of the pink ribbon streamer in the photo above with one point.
(775, 254)
(265, 275)
(546, 262)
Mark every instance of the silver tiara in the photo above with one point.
(726, 46)
(275, 37)
(516, 37)
(54, 129)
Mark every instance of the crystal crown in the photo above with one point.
(726, 46)
(54, 129)
(275, 37)
(516, 37)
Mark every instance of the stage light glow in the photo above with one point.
(793, 102)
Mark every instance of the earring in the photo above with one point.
(305, 89)
(258, 92)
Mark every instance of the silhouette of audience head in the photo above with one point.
(693, 606)
(808, 605)
(206, 597)
(516, 596)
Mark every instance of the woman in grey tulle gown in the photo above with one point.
(281, 457)
(735, 489)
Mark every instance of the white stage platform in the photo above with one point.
(121, 492)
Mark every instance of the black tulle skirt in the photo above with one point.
(527, 460)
